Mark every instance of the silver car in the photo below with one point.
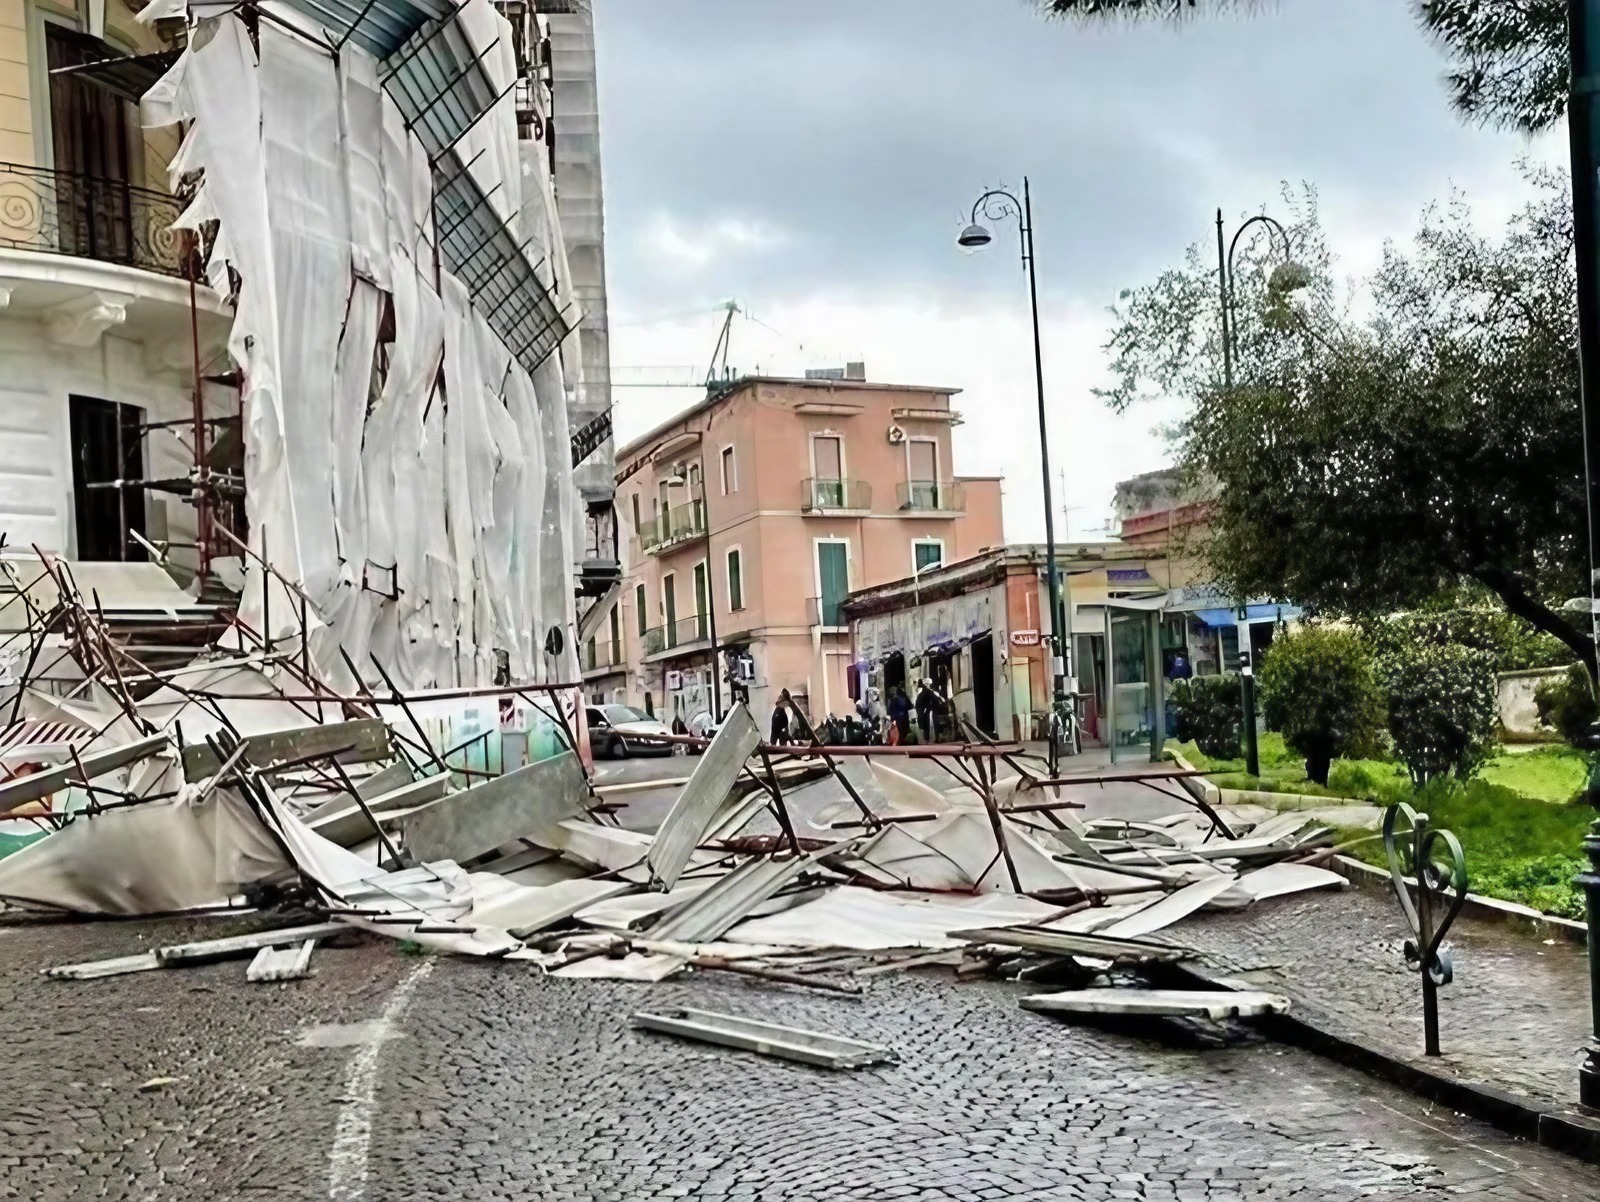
(616, 731)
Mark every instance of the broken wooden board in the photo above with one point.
(357, 742)
(1158, 1003)
(281, 963)
(698, 805)
(207, 950)
(38, 785)
(344, 822)
(768, 1039)
(468, 824)
(94, 969)
(1076, 943)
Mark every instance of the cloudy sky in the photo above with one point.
(815, 161)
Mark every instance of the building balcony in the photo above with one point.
(826, 613)
(669, 528)
(603, 658)
(931, 498)
(835, 497)
(90, 217)
(684, 635)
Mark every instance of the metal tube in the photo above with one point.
(1061, 661)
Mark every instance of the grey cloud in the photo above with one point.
(863, 128)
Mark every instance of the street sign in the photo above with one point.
(1024, 638)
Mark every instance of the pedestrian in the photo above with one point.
(900, 713)
(780, 719)
(929, 705)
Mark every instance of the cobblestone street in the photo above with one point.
(391, 1077)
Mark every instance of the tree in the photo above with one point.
(1364, 464)
(1318, 689)
(1510, 57)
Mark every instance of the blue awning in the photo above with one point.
(1253, 613)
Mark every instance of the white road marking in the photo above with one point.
(352, 1135)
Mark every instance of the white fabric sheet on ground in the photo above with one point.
(867, 920)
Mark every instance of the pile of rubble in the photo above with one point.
(194, 793)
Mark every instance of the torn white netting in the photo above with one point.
(401, 468)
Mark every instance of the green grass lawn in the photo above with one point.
(1517, 821)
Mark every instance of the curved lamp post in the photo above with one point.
(996, 205)
(1286, 277)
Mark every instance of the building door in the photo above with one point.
(697, 499)
(701, 608)
(922, 467)
(982, 652)
(107, 446)
(669, 611)
(89, 138)
(833, 580)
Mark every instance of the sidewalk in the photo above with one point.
(1513, 1023)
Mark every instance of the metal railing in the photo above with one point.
(932, 496)
(819, 495)
(673, 526)
(694, 629)
(826, 612)
(90, 217)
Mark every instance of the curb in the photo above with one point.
(1564, 1131)
(1534, 922)
(1212, 795)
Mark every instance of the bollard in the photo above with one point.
(1412, 853)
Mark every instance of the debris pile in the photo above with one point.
(243, 782)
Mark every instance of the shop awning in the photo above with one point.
(1253, 613)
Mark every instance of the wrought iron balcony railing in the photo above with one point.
(827, 612)
(822, 496)
(90, 217)
(674, 525)
(932, 496)
(694, 629)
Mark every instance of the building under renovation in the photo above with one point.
(289, 311)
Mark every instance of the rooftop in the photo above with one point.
(737, 386)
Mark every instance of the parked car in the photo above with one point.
(616, 731)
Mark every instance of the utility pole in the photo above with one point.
(1583, 123)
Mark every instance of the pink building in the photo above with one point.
(747, 520)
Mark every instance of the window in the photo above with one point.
(669, 610)
(735, 578)
(925, 552)
(833, 579)
(827, 471)
(616, 635)
(730, 472)
(636, 531)
(589, 655)
(89, 139)
(641, 608)
(107, 445)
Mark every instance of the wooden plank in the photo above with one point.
(467, 824)
(357, 742)
(237, 945)
(281, 964)
(24, 789)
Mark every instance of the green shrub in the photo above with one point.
(1208, 712)
(1319, 689)
(1567, 703)
(1442, 710)
(1513, 643)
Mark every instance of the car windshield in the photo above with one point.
(624, 713)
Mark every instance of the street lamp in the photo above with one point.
(1288, 276)
(996, 205)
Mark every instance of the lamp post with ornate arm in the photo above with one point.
(995, 205)
(1286, 277)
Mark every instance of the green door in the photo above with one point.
(669, 606)
(701, 609)
(833, 580)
